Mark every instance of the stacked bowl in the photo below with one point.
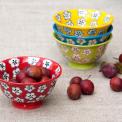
(82, 35)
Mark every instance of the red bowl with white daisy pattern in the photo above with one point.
(27, 95)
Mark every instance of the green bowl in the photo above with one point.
(82, 57)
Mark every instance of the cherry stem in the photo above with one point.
(89, 76)
(115, 58)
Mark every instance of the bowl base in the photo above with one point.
(81, 66)
(27, 105)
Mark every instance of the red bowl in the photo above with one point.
(29, 95)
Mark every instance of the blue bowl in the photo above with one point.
(78, 40)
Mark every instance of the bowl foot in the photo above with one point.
(81, 66)
(27, 105)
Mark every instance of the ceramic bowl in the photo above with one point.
(76, 40)
(29, 95)
(82, 22)
(82, 57)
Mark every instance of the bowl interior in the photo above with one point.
(83, 18)
(10, 67)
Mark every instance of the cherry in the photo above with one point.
(45, 72)
(44, 78)
(28, 80)
(116, 84)
(76, 80)
(87, 87)
(74, 91)
(20, 76)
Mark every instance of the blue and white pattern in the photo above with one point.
(58, 17)
(47, 63)
(67, 15)
(33, 60)
(16, 90)
(2, 66)
(29, 88)
(14, 62)
(42, 88)
(81, 22)
(69, 23)
(4, 85)
(6, 76)
(30, 96)
(78, 33)
(8, 94)
(67, 30)
(95, 15)
(15, 72)
(19, 100)
(92, 32)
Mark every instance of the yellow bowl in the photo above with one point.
(83, 22)
(82, 57)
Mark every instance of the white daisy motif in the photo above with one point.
(58, 17)
(4, 85)
(47, 63)
(57, 70)
(70, 41)
(69, 23)
(82, 13)
(78, 33)
(95, 15)
(60, 37)
(15, 72)
(67, 30)
(91, 31)
(87, 52)
(6, 76)
(76, 57)
(93, 24)
(8, 94)
(42, 88)
(29, 88)
(75, 49)
(16, 90)
(67, 15)
(30, 96)
(81, 41)
(2, 66)
(81, 22)
(33, 60)
(19, 100)
(92, 42)
(14, 62)
(41, 97)
(107, 19)
(64, 49)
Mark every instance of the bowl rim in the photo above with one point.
(88, 46)
(37, 83)
(88, 37)
(85, 27)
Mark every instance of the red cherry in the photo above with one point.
(116, 84)
(20, 76)
(34, 72)
(74, 91)
(76, 80)
(44, 78)
(45, 72)
(120, 58)
(87, 87)
(28, 80)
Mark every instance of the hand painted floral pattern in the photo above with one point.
(87, 51)
(30, 96)
(93, 24)
(101, 32)
(42, 88)
(2, 66)
(70, 41)
(33, 60)
(81, 41)
(19, 100)
(16, 90)
(14, 62)
(60, 37)
(78, 33)
(8, 94)
(107, 19)
(95, 15)
(4, 85)
(41, 97)
(92, 32)
(58, 17)
(75, 49)
(15, 72)
(47, 63)
(69, 23)
(67, 30)
(85, 60)
(92, 42)
(29, 88)
(6, 76)
(82, 13)
(81, 22)
(76, 57)
(64, 49)
(67, 15)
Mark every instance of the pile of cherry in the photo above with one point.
(111, 70)
(78, 87)
(32, 74)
